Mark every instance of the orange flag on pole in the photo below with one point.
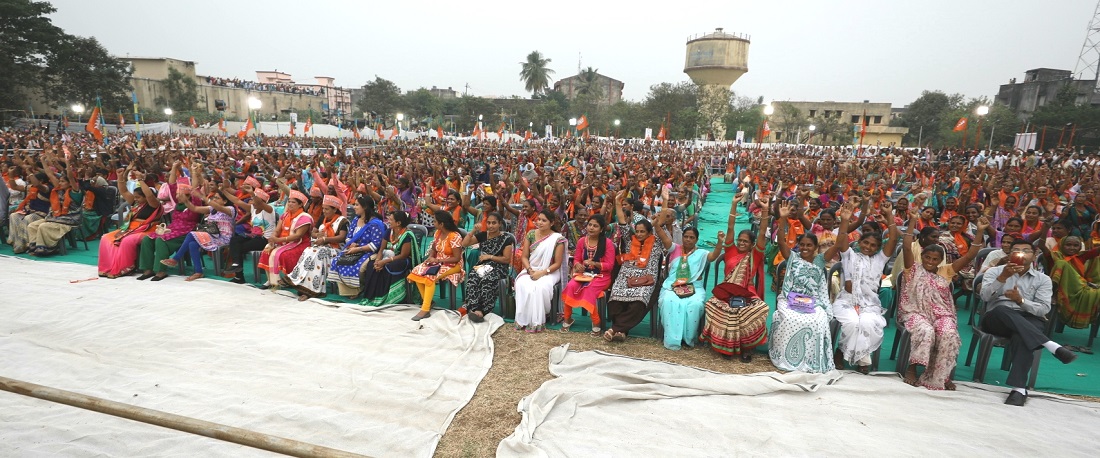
(767, 130)
(961, 125)
(244, 130)
(662, 134)
(582, 123)
(221, 125)
(439, 132)
(93, 125)
(477, 132)
(193, 123)
(527, 136)
(378, 128)
(309, 124)
(500, 132)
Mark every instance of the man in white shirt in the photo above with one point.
(1017, 301)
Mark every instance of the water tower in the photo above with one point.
(714, 62)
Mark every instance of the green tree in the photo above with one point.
(831, 131)
(926, 116)
(535, 73)
(1062, 118)
(422, 104)
(80, 69)
(789, 122)
(382, 98)
(745, 115)
(27, 37)
(677, 102)
(182, 92)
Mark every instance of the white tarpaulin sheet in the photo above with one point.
(374, 383)
(610, 405)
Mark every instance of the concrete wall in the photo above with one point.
(236, 99)
(612, 89)
(879, 112)
(157, 68)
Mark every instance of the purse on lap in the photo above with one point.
(640, 281)
(801, 303)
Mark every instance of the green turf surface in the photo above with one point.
(1075, 378)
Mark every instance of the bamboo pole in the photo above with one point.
(172, 421)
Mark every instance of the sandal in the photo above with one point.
(565, 326)
(609, 335)
(596, 332)
(520, 327)
(619, 337)
(169, 262)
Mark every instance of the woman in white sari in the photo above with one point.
(541, 272)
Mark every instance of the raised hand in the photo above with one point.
(784, 209)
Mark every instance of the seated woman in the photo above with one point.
(362, 240)
(682, 294)
(118, 250)
(593, 265)
(543, 261)
(220, 215)
(736, 317)
(1076, 274)
(800, 326)
(290, 239)
(858, 308)
(34, 207)
(166, 241)
(634, 287)
(310, 276)
(493, 264)
(444, 262)
(926, 308)
(383, 280)
(252, 234)
(66, 213)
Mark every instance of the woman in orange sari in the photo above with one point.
(118, 250)
(291, 238)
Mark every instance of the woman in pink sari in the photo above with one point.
(118, 250)
(291, 238)
(593, 262)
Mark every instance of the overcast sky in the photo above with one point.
(841, 50)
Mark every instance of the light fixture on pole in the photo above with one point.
(811, 139)
(400, 117)
(768, 110)
(79, 110)
(168, 116)
(254, 104)
(981, 111)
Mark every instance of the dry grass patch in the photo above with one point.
(520, 366)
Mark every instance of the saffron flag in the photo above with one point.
(193, 123)
(93, 125)
(355, 131)
(582, 123)
(221, 125)
(527, 136)
(500, 132)
(477, 132)
(662, 134)
(568, 134)
(766, 130)
(121, 120)
(244, 130)
(309, 124)
(961, 125)
(439, 132)
(378, 128)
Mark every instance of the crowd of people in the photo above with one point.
(606, 227)
(266, 87)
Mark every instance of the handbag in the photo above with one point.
(161, 229)
(800, 303)
(209, 227)
(639, 281)
(348, 259)
(684, 291)
(737, 302)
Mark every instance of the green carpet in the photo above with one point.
(1053, 375)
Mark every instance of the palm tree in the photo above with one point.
(535, 73)
(589, 83)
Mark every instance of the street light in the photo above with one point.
(768, 110)
(812, 129)
(981, 111)
(168, 114)
(254, 104)
(78, 109)
(617, 122)
(400, 117)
